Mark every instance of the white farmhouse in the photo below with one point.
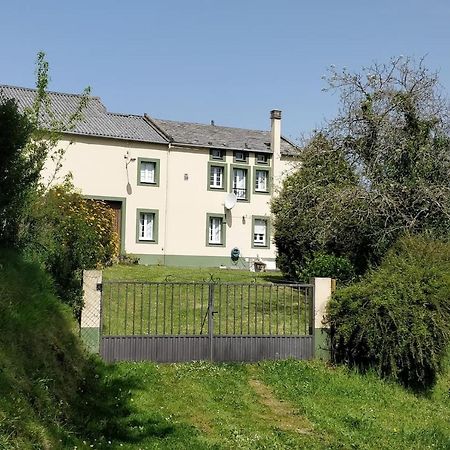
(168, 181)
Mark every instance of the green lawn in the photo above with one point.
(187, 274)
(274, 405)
(246, 303)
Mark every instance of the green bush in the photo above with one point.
(326, 265)
(69, 233)
(397, 319)
(19, 170)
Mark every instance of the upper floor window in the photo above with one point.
(240, 183)
(240, 156)
(217, 153)
(217, 173)
(262, 158)
(216, 177)
(148, 172)
(261, 180)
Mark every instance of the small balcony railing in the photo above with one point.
(240, 193)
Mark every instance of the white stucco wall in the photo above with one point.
(99, 170)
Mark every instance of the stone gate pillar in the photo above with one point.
(323, 288)
(91, 312)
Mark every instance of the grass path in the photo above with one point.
(279, 414)
(276, 405)
(210, 406)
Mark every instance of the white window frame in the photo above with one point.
(260, 238)
(240, 191)
(148, 172)
(152, 179)
(216, 180)
(258, 187)
(144, 219)
(215, 230)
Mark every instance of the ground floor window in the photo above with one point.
(147, 226)
(215, 230)
(260, 232)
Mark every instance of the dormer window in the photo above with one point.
(240, 156)
(262, 158)
(217, 153)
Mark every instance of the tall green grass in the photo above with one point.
(215, 406)
(52, 394)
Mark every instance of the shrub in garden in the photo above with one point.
(397, 319)
(326, 265)
(69, 233)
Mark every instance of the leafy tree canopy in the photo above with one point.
(29, 139)
(19, 169)
(380, 169)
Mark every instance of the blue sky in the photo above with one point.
(228, 61)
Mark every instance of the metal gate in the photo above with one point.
(176, 322)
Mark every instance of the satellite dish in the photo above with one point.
(230, 201)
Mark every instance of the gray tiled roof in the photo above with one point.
(96, 120)
(221, 137)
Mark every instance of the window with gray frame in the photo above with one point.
(147, 226)
(148, 172)
(240, 181)
(261, 180)
(260, 232)
(216, 177)
(217, 153)
(240, 156)
(262, 158)
(216, 231)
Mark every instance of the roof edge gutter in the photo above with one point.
(117, 138)
(240, 149)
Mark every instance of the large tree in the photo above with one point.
(380, 169)
(29, 138)
(19, 170)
